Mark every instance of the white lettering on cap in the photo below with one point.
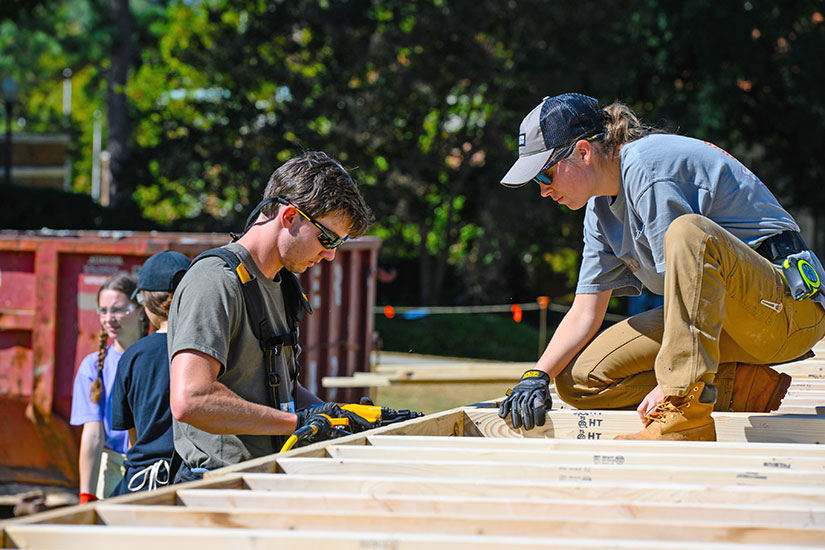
(522, 140)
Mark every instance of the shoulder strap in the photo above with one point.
(295, 303)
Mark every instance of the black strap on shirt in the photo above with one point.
(296, 306)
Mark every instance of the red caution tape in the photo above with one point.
(389, 312)
(517, 313)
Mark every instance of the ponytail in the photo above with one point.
(621, 125)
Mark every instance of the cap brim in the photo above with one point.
(525, 169)
(134, 293)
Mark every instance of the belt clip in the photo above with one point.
(771, 305)
(274, 348)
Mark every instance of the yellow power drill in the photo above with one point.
(373, 416)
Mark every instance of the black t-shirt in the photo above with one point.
(140, 400)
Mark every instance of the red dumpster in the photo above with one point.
(48, 284)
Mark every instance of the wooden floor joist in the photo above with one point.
(490, 506)
(464, 478)
(83, 537)
(689, 491)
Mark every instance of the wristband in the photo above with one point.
(86, 497)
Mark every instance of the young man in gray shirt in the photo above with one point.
(690, 222)
(223, 407)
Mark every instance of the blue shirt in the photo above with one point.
(664, 176)
(140, 400)
(83, 410)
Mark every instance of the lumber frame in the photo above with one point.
(570, 471)
(86, 514)
(759, 486)
(662, 528)
(377, 486)
(286, 502)
(82, 537)
(610, 445)
(445, 423)
(626, 456)
(602, 425)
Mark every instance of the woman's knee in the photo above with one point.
(687, 228)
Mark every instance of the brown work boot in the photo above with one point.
(758, 388)
(681, 418)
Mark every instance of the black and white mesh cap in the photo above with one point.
(548, 129)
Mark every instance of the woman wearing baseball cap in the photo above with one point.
(140, 396)
(688, 221)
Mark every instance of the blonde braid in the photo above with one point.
(126, 284)
(97, 386)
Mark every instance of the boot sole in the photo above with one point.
(780, 391)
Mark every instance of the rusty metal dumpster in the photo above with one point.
(48, 284)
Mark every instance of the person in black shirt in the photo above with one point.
(140, 396)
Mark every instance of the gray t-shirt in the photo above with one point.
(208, 314)
(662, 177)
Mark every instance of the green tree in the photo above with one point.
(421, 101)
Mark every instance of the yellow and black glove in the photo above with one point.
(332, 410)
(528, 401)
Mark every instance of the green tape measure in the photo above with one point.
(808, 275)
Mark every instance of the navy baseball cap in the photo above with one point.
(162, 272)
(548, 130)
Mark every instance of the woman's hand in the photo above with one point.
(649, 403)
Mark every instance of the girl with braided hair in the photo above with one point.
(123, 321)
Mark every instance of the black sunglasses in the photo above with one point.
(328, 238)
(564, 154)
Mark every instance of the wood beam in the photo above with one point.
(603, 425)
(662, 528)
(81, 537)
(626, 457)
(283, 502)
(608, 446)
(644, 490)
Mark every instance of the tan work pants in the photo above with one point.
(721, 302)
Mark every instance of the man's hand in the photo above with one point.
(649, 402)
(528, 401)
(356, 424)
(332, 410)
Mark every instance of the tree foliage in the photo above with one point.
(422, 101)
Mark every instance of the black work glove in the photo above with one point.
(323, 427)
(357, 424)
(332, 410)
(528, 401)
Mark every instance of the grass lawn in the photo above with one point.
(472, 336)
(478, 336)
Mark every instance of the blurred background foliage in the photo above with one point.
(421, 101)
